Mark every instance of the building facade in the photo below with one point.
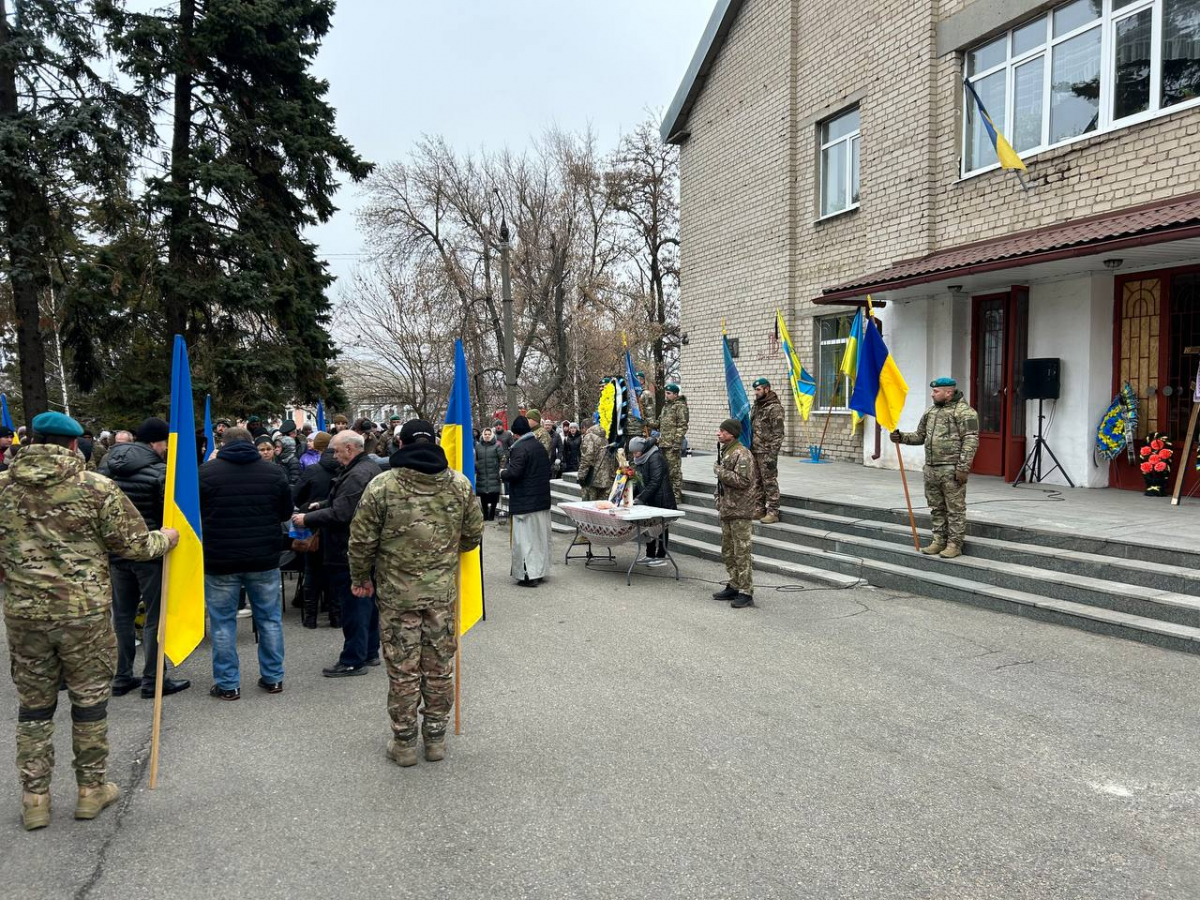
(830, 151)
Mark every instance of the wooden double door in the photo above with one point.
(1156, 349)
(999, 344)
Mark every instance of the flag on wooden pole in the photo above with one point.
(739, 402)
(458, 443)
(804, 386)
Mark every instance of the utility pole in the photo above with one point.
(510, 375)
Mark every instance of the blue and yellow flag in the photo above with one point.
(209, 437)
(631, 382)
(458, 443)
(804, 386)
(6, 419)
(183, 572)
(320, 415)
(1004, 152)
(849, 366)
(879, 389)
(739, 403)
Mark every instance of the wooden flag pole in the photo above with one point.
(160, 664)
(458, 648)
(1187, 449)
(824, 431)
(912, 520)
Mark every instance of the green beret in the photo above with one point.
(394, 419)
(672, 387)
(56, 423)
(943, 382)
(761, 382)
(640, 374)
(253, 420)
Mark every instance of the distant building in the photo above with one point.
(829, 154)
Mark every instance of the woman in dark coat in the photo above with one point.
(490, 457)
(570, 451)
(653, 486)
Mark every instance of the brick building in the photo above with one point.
(827, 152)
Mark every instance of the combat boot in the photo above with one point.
(403, 754)
(935, 547)
(726, 593)
(952, 551)
(35, 810)
(435, 749)
(770, 518)
(93, 799)
(741, 601)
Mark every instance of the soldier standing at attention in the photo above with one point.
(597, 467)
(766, 432)
(735, 505)
(672, 429)
(950, 432)
(60, 524)
(411, 525)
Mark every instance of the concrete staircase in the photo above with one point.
(1110, 587)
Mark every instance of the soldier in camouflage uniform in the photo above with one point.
(534, 418)
(411, 525)
(389, 442)
(766, 431)
(735, 505)
(60, 524)
(672, 429)
(597, 467)
(950, 432)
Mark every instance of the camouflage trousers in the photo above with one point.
(83, 653)
(947, 501)
(736, 547)
(766, 483)
(675, 466)
(418, 647)
(594, 493)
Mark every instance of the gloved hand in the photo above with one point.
(896, 437)
(961, 476)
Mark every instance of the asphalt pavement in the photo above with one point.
(649, 742)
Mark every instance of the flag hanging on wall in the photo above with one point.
(804, 386)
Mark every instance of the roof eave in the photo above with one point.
(673, 129)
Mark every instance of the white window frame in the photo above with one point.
(832, 342)
(849, 139)
(1107, 22)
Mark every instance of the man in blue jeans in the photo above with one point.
(243, 503)
(360, 616)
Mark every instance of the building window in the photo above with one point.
(1084, 67)
(839, 163)
(833, 388)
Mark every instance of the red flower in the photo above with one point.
(1165, 453)
(1146, 450)
(1146, 467)
(1157, 445)
(1160, 467)
(1154, 457)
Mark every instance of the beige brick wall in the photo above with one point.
(749, 187)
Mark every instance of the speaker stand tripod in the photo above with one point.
(1032, 466)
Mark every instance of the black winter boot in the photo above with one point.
(741, 601)
(726, 593)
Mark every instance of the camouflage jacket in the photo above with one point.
(60, 523)
(646, 403)
(735, 481)
(545, 440)
(410, 528)
(950, 433)
(673, 424)
(597, 467)
(766, 424)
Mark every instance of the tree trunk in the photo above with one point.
(179, 251)
(24, 244)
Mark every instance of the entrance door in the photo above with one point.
(999, 331)
(1157, 350)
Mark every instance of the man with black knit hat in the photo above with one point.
(140, 471)
(412, 523)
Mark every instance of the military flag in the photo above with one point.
(804, 386)
(631, 382)
(320, 415)
(6, 419)
(739, 403)
(458, 443)
(209, 437)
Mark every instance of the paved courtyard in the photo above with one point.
(649, 742)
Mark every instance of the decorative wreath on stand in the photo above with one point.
(1156, 455)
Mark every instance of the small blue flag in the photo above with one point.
(208, 428)
(320, 415)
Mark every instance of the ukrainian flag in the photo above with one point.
(1004, 151)
(880, 389)
(183, 570)
(458, 443)
(849, 366)
(804, 386)
(6, 419)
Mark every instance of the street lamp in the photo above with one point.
(510, 375)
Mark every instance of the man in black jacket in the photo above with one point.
(243, 502)
(140, 471)
(652, 489)
(360, 616)
(528, 477)
(314, 486)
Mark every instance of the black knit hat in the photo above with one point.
(416, 428)
(153, 430)
(732, 426)
(521, 426)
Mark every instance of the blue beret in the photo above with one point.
(943, 382)
(761, 382)
(55, 423)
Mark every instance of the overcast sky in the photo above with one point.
(491, 74)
